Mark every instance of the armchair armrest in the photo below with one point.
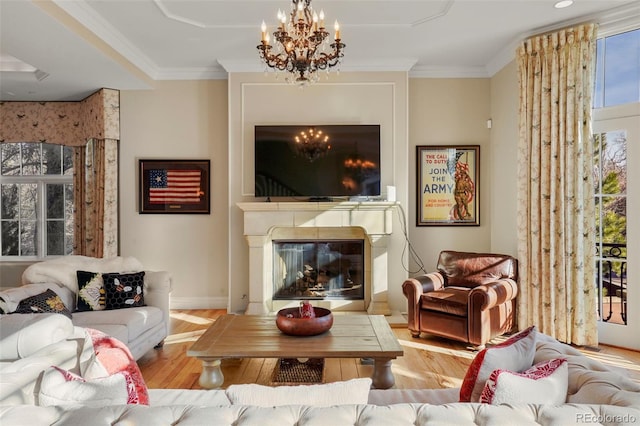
(413, 288)
(157, 288)
(487, 296)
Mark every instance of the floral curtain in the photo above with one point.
(556, 211)
(95, 188)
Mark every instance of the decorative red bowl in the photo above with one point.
(289, 322)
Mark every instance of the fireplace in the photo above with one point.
(267, 224)
(318, 269)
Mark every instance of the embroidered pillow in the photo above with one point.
(47, 301)
(124, 290)
(544, 383)
(61, 387)
(91, 294)
(515, 354)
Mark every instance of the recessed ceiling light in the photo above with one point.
(563, 3)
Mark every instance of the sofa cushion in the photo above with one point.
(544, 383)
(354, 391)
(124, 290)
(63, 388)
(515, 354)
(449, 300)
(46, 302)
(91, 293)
(136, 321)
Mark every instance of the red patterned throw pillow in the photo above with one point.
(544, 383)
(515, 354)
(115, 357)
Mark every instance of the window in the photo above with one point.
(617, 79)
(36, 200)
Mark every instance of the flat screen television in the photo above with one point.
(325, 161)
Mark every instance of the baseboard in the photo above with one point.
(198, 302)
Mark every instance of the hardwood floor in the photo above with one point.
(428, 362)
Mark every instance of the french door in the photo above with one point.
(617, 181)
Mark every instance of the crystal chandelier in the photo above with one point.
(312, 144)
(301, 49)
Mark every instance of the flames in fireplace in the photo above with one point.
(332, 269)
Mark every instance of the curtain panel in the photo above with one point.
(556, 210)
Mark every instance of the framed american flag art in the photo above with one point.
(174, 186)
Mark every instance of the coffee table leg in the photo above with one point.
(382, 376)
(211, 376)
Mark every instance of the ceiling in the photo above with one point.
(79, 46)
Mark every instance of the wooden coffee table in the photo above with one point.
(255, 336)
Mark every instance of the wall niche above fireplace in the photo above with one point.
(318, 269)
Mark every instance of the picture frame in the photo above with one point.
(448, 182)
(174, 186)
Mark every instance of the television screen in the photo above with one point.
(317, 161)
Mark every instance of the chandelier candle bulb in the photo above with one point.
(321, 18)
(337, 28)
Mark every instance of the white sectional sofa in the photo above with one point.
(596, 394)
(140, 328)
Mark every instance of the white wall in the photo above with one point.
(348, 98)
(450, 112)
(504, 159)
(178, 120)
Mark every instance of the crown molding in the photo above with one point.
(211, 73)
(421, 71)
(352, 65)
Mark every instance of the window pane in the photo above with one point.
(9, 201)
(622, 68)
(55, 201)
(614, 220)
(51, 159)
(28, 238)
(67, 162)
(9, 238)
(55, 238)
(31, 159)
(10, 153)
(28, 200)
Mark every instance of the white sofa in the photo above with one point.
(140, 328)
(596, 395)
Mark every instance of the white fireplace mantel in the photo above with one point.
(317, 220)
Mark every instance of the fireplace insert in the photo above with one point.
(312, 269)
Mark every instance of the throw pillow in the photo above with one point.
(124, 290)
(115, 357)
(61, 387)
(47, 301)
(515, 354)
(90, 291)
(354, 391)
(544, 383)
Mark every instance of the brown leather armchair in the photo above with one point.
(471, 297)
